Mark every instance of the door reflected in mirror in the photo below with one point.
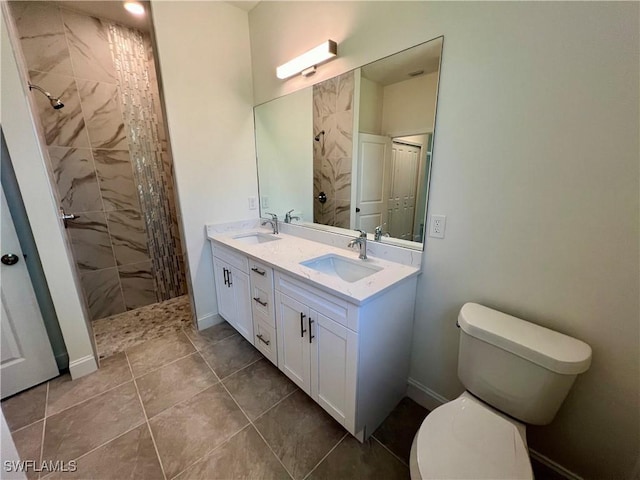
(355, 151)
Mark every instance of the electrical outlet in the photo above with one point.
(264, 201)
(253, 203)
(437, 226)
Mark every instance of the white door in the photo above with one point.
(374, 154)
(333, 368)
(405, 160)
(226, 300)
(292, 318)
(26, 357)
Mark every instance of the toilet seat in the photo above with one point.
(467, 439)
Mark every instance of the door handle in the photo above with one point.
(302, 330)
(224, 275)
(257, 299)
(10, 259)
(311, 337)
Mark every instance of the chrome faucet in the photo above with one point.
(273, 222)
(288, 217)
(361, 241)
(379, 233)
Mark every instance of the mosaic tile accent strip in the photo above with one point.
(151, 164)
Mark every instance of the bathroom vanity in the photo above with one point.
(339, 327)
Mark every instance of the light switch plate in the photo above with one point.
(437, 226)
(264, 201)
(253, 203)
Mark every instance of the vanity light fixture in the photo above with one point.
(307, 62)
(134, 7)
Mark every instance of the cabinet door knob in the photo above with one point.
(302, 330)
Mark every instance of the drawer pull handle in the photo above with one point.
(311, 337)
(257, 299)
(302, 330)
(258, 271)
(266, 342)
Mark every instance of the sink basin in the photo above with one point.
(255, 238)
(344, 268)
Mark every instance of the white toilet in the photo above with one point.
(514, 371)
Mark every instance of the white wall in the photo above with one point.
(284, 143)
(204, 57)
(370, 112)
(536, 167)
(409, 107)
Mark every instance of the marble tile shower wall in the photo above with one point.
(92, 149)
(332, 154)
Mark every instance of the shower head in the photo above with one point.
(317, 137)
(54, 101)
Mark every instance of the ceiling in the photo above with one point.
(110, 10)
(396, 68)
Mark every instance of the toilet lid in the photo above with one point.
(466, 439)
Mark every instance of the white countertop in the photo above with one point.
(286, 254)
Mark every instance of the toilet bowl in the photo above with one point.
(514, 372)
(466, 438)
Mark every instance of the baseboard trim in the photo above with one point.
(82, 366)
(556, 467)
(209, 321)
(431, 400)
(424, 395)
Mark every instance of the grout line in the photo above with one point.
(91, 397)
(44, 428)
(276, 404)
(163, 365)
(256, 429)
(389, 450)
(144, 412)
(328, 453)
(241, 369)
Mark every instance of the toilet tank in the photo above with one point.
(517, 367)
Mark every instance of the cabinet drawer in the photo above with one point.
(261, 276)
(262, 305)
(265, 340)
(232, 258)
(334, 308)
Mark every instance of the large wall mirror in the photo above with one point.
(354, 151)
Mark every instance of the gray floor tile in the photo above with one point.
(130, 456)
(258, 387)
(204, 338)
(157, 352)
(64, 392)
(174, 383)
(26, 407)
(400, 427)
(354, 460)
(28, 442)
(189, 430)
(230, 355)
(299, 432)
(81, 428)
(245, 455)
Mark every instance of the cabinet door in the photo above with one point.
(242, 303)
(293, 345)
(224, 291)
(333, 368)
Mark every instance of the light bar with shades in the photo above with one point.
(308, 60)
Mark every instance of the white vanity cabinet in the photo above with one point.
(352, 360)
(233, 290)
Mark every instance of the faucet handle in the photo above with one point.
(363, 234)
(273, 215)
(290, 212)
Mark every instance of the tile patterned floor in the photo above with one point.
(119, 332)
(200, 405)
(193, 405)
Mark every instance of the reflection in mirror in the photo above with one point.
(354, 151)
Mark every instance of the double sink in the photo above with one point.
(334, 265)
